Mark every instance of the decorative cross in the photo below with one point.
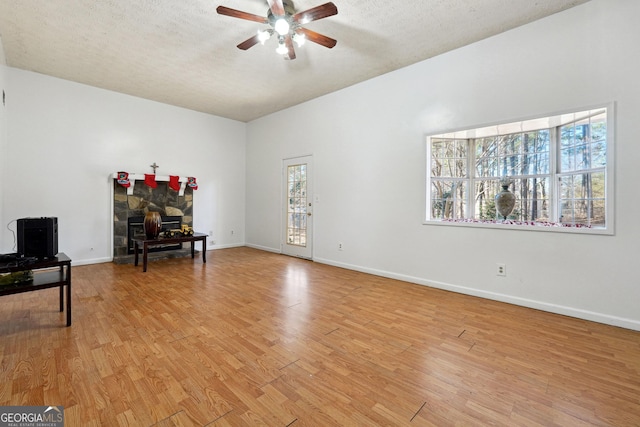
(154, 166)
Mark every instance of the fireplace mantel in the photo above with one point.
(133, 177)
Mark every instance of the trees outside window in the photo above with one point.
(557, 167)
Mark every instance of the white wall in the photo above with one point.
(368, 144)
(64, 140)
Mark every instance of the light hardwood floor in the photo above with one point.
(253, 338)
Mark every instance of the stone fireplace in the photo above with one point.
(175, 208)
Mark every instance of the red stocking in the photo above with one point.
(174, 182)
(150, 180)
(123, 179)
(191, 182)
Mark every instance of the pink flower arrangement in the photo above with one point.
(512, 222)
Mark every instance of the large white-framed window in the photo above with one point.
(560, 167)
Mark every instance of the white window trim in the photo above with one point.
(609, 176)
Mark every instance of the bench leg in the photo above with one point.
(69, 296)
(145, 249)
(204, 249)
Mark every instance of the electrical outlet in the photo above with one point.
(501, 269)
(340, 246)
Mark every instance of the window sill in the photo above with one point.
(522, 225)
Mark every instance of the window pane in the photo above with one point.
(448, 199)
(582, 199)
(598, 215)
(581, 186)
(566, 136)
(454, 168)
(580, 212)
(566, 187)
(566, 212)
(512, 143)
(599, 127)
(491, 168)
(437, 148)
(487, 159)
(532, 199)
(297, 204)
(581, 132)
(567, 160)
(583, 160)
(449, 158)
(529, 164)
(539, 164)
(598, 185)
(584, 144)
(542, 141)
(486, 147)
(598, 154)
(484, 198)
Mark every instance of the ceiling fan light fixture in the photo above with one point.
(282, 26)
(264, 35)
(286, 24)
(282, 49)
(299, 39)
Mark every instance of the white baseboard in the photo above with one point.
(524, 302)
(263, 248)
(91, 261)
(231, 245)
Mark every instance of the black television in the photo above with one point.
(38, 237)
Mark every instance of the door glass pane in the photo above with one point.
(297, 205)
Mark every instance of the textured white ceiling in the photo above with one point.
(183, 53)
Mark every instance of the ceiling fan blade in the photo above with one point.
(223, 10)
(315, 13)
(276, 6)
(289, 43)
(250, 42)
(317, 37)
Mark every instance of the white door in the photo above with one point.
(297, 209)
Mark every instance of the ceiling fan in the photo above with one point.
(286, 24)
